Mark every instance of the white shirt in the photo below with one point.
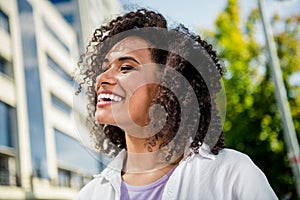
(204, 176)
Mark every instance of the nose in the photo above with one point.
(106, 78)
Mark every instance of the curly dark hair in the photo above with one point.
(183, 52)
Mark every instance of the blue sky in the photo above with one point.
(202, 13)
(191, 13)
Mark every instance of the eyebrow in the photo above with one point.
(123, 58)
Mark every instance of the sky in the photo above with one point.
(188, 12)
(197, 14)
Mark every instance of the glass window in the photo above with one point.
(64, 178)
(59, 1)
(56, 36)
(7, 124)
(72, 158)
(8, 129)
(60, 104)
(55, 67)
(4, 170)
(69, 178)
(69, 18)
(77, 181)
(35, 111)
(6, 67)
(7, 170)
(74, 155)
(2, 65)
(4, 23)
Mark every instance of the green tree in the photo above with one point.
(252, 122)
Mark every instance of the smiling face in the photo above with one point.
(127, 86)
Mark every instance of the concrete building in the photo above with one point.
(42, 155)
(92, 14)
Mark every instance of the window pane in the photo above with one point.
(76, 181)
(59, 1)
(4, 23)
(6, 67)
(64, 178)
(8, 170)
(71, 153)
(4, 170)
(47, 27)
(69, 18)
(56, 68)
(6, 123)
(60, 105)
(2, 66)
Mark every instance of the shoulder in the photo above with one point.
(225, 157)
(227, 175)
(227, 165)
(229, 161)
(249, 179)
(240, 163)
(232, 157)
(235, 172)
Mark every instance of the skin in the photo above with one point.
(130, 74)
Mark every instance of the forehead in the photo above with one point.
(127, 45)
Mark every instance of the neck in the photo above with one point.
(145, 165)
(141, 145)
(145, 155)
(141, 155)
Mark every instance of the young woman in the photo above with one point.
(154, 103)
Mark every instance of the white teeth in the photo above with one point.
(109, 96)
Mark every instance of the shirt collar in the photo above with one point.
(204, 151)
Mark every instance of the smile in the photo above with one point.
(106, 97)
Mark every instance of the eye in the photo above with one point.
(126, 68)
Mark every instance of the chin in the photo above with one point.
(104, 120)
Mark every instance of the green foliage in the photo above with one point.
(253, 121)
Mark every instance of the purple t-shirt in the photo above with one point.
(152, 191)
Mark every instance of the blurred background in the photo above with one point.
(43, 139)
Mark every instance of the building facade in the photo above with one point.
(43, 140)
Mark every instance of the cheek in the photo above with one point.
(140, 102)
